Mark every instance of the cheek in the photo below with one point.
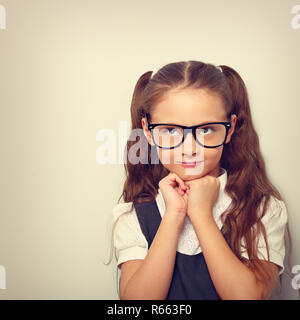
(166, 156)
(214, 154)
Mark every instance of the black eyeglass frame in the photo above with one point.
(151, 126)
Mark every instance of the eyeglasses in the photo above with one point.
(170, 136)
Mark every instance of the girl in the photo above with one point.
(200, 218)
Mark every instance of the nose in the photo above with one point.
(189, 146)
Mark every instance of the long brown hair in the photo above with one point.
(248, 184)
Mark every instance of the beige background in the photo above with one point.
(67, 70)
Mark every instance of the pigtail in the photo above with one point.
(239, 94)
(245, 164)
(138, 98)
(245, 151)
(132, 186)
(141, 178)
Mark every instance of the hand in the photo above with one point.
(202, 195)
(173, 190)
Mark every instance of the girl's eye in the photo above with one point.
(170, 130)
(205, 130)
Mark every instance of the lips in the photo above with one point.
(190, 164)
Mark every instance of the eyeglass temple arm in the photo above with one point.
(147, 120)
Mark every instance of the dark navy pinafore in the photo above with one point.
(191, 279)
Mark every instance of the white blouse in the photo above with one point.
(130, 243)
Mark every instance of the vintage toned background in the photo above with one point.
(67, 70)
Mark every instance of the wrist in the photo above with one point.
(203, 215)
(175, 219)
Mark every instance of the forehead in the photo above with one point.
(189, 107)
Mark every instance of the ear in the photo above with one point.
(231, 130)
(147, 133)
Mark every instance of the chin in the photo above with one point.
(188, 174)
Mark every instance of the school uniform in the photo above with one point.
(135, 231)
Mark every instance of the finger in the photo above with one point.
(180, 191)
(180, 182)
(187, 184)
(185, 196)
(175, 178)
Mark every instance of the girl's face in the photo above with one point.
(190, 107)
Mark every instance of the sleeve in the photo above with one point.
(129, 241)
(275, 221)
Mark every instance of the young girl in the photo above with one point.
(202, 221)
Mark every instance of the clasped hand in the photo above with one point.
(193, 198)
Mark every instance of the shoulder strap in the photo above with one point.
(149, 218)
